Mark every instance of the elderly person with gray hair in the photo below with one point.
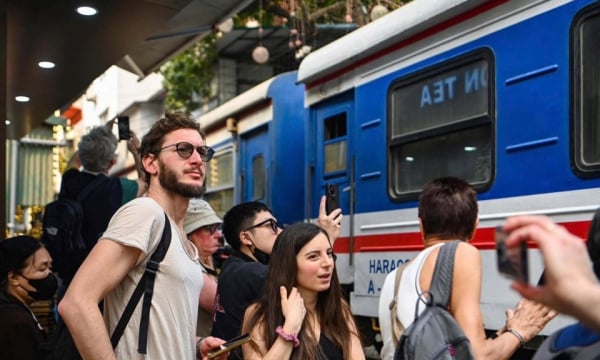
(88, 171)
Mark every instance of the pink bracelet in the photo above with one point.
(288, 337)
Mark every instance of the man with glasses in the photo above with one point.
(251, 229)
(203, 228)
(174, 156)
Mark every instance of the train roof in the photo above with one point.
(375, 38)
(243, 101)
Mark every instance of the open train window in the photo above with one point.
(220, 182)
(336, 144)
(441, 123)
(586, 92)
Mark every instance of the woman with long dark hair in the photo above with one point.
(303, 314)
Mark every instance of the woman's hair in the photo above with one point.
(153, 140)
(238, 219)
(448, 209)
(97, 149)
(282, 271)
(14, 253)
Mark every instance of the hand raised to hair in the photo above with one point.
(292, 307)
(330, 223)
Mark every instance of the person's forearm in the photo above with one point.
(87, 327)
(586, 309)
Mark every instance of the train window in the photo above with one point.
(336, 141)
(220, 182)
(587, 94)
(259, 172)
(441, 124)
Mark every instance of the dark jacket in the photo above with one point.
(241, 283)
(21, 336)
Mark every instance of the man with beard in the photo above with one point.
(251, 230)
(174, 156)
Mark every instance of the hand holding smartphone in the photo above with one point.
(513, 262)
(332, 198)
(229, 345)
(123, 125)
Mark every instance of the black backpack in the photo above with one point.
(435, 334)
(62, 221)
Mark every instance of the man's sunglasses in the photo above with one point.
(275, 226)
(212, 228)
(185, 150)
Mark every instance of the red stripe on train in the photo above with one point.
(484, 240)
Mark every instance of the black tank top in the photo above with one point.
(331, 351)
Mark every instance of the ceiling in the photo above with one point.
(138, 35)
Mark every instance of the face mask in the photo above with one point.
(261, 256)
(45, 288)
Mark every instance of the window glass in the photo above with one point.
(219, 170)
(258, 177)
(589, 92)
(466, 154)
(335, 147)
(220, 182)
(441, 124)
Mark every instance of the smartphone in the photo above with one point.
(123, 125)
(512, 263)
(229, 345)
(332, 198)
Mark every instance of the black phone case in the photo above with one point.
(332, 197)
(123, 126)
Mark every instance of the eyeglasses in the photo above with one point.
(212, 228)
(185, 150)
(275, 226)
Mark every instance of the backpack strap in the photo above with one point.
(87, 190)
(145, 286)
(397, 326)
(441, 282)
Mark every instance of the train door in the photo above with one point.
(333, 165)
(254, 165)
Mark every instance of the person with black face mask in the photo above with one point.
(251, 230)
(25, 277)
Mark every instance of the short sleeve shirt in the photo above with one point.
(171, 334)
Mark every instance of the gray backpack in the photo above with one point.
(435, 334)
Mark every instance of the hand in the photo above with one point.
(133, 144)
(330, 223)
(209, 344)
(568, 272)
(110, 124)
(529, 318)
(293, 310)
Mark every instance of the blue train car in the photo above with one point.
(501, 93)
(259, 141)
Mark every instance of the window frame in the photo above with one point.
(447, 128)
(578, 164)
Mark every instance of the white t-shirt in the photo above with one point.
(174, 309)
(408, 294)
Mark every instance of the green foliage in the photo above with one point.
(188, 76)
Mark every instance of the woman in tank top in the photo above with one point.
(303, 314)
